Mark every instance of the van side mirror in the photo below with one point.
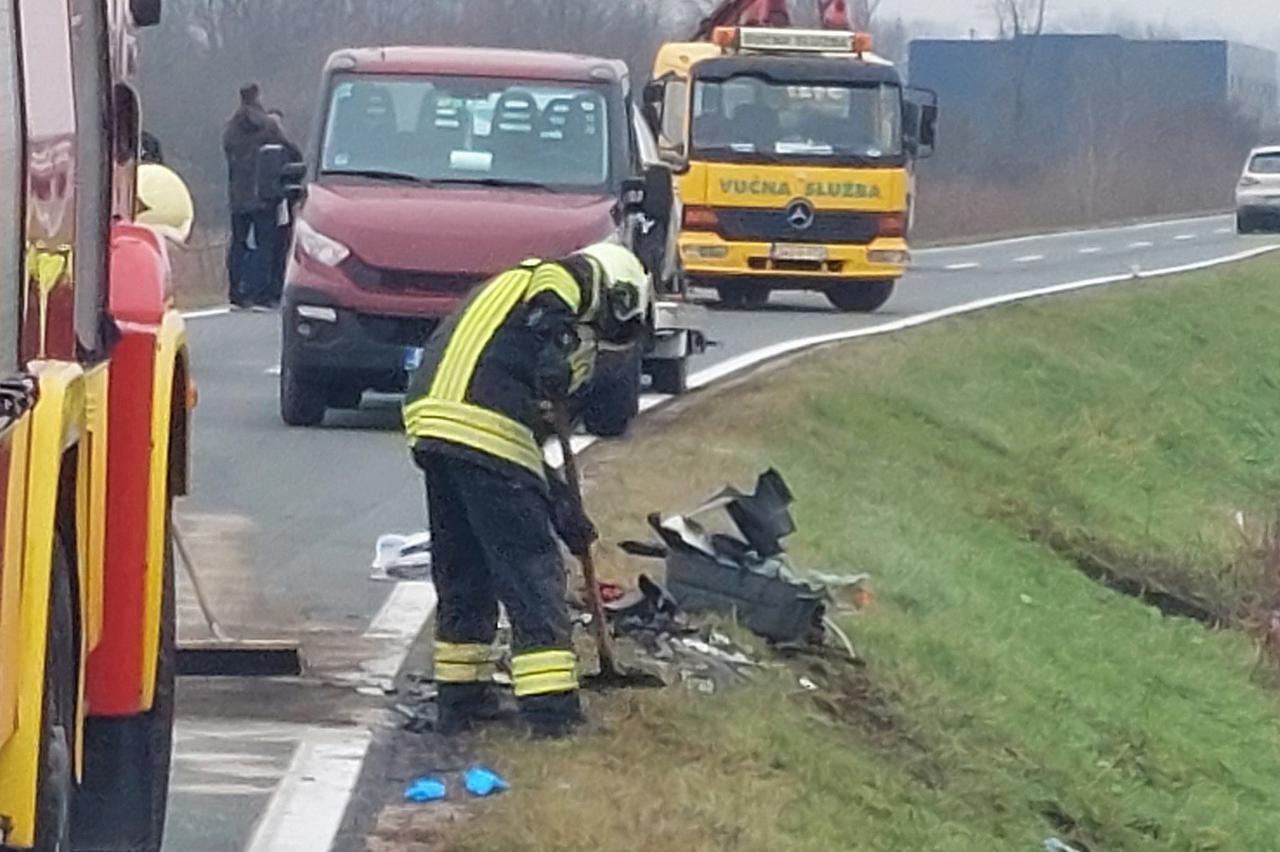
(633, 195)
(146, 13)
(277, 177)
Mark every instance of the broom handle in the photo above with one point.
(604, 642)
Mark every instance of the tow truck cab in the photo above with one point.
(432, 169)
(800, 148)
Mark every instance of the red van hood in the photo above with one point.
(456, 230)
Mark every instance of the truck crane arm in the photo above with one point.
(834, 15)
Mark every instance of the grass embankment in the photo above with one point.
(971, 467)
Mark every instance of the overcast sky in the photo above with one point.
(1257, 21)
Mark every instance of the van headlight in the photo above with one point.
(320, 248)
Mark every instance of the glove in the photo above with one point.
(572, 525)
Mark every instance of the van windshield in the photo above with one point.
(447, 129)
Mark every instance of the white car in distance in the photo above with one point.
(1258, 193)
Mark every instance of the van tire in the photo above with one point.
(123, 803)
(302, 403)
(861, 297)
(55, 785)
(670, 375)
(613, 400)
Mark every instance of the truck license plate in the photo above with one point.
(814, 254)
(412, 358)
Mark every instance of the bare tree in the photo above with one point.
(864, 14)
(1016, 18)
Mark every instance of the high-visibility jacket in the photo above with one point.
(476, 393)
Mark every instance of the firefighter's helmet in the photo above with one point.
(164, 202)
(625, 292)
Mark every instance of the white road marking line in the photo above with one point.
(957, 267)
(1029, 258)
(401, 615)
(306, 811)
(1141, 244)
(1091, 250)
(1223, 230)
(207, 312)
(223, 789)
(1122, 229)
(1182, 238)
(272, 371)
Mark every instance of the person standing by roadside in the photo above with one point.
(248, 268)
(283, 235)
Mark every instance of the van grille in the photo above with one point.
(407, 280)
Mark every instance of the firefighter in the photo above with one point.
(474, 417)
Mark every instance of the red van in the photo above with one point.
(431, 170)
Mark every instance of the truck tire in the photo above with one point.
(302, 403)
(862, 297)
(123, 801)
(56, 784)
(670, 375)
(613, 400)
(739, 297)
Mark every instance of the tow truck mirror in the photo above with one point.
(672, 155)
(659, 193)
(920, 122)
(654, 93)
(146, 13)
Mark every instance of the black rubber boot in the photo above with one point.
(462, 706)
(551, 716)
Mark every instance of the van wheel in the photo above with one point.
(862, 297)
(670, 375)
(302, 403)
(613, 400)
(124, 800)
(1243, 224)
(55, 784)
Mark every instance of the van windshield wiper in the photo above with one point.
(518, 184)
(373, 174)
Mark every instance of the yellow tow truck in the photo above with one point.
(796, 152)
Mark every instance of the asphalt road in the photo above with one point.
(283, 522)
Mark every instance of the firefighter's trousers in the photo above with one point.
(492, 540)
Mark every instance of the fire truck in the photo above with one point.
(797, 148)
(95, 395)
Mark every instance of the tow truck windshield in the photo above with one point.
(748, 119)
(464, 130)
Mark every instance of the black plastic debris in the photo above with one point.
(747, 575)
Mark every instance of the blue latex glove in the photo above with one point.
(428, 789)
(482, 781)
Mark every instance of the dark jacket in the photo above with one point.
(486, 368)
(247, 131)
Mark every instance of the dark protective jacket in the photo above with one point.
(487, 367)
(246, 132)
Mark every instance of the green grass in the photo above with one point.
(1007, 696)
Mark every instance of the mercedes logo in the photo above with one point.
(800, 215)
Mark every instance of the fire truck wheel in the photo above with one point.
(53, 804)
(861, 298)
(302, 403)
(124, 798)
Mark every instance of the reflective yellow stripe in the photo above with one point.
(553, 278)
(468, 652)
(463, 672)
(545, 684)
(476, 427)
(474, 332)
(542, 662)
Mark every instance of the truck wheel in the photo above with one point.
(742, 297)
(302, 403)
(862, 297)
(614, 400)
(55, 785)
(670, 375)
(124, 799)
